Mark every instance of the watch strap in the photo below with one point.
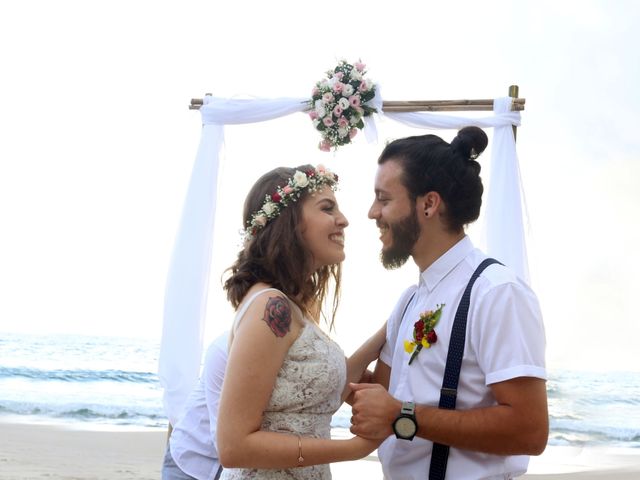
(408, 408)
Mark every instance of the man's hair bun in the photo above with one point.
(470, 142)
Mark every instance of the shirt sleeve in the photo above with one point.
(213, 373)
(393, 325)
(508, 333)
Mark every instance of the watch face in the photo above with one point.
(405, 427)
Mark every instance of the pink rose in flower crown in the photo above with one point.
(313, 114)
(363, 86)
(343, 122)
(339, 75)
(337, 87)
(287, 189)
(328, 122)
(359, 66)
(354, 100)
(353, 132)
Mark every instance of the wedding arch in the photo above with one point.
(187, 281)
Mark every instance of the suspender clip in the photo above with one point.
(449, 392)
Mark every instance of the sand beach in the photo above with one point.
(62, 452)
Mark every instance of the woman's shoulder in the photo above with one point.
(266, 303)
(259, 295)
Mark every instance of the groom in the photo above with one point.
(426, 191)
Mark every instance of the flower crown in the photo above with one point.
(311, 180)
(338, 104)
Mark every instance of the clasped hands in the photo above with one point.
(373, 411)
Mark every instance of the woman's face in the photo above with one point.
(323, 227)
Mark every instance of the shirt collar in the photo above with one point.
(447, 262)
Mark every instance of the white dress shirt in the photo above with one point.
(505, 339)
(192, 442)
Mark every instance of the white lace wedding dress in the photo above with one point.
(305, 397)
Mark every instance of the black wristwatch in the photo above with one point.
(405, 426)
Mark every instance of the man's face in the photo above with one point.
(395, 216)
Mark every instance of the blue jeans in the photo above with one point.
(171, 471)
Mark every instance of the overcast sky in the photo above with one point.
(97, 144)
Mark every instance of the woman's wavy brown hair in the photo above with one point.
(277, 255)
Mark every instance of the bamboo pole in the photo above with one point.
(513, 93)
(427, 105)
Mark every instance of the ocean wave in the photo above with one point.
(592, 431)
(78, 375)
(96, 414)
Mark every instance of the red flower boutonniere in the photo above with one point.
(424, 334)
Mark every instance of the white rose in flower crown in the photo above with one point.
(269, 208)
(343, 132)
(356, 75)
(300, 179)
(261, 220)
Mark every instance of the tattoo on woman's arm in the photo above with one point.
(277, 314)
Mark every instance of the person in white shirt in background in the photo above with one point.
(192, 448)
(426, 192)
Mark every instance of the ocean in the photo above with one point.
(111, 383)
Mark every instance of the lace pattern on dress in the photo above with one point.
(306, 394)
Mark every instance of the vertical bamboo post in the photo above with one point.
(513, 93)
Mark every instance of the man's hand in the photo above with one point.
(373, 411)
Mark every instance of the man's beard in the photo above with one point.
(404, 234)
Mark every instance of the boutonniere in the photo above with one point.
(424, 334)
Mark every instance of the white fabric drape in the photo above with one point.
(503, 209)
(186, 288)
(188, 277)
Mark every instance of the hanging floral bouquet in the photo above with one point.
(338, 104)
